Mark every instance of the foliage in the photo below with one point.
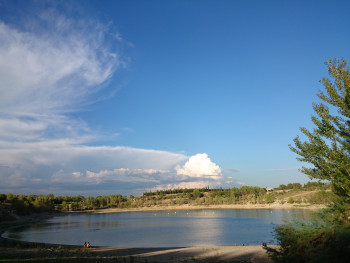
(321, 197)
(24, 205)
(196, 193)
(290, 186)
(316, 185)
(328, 145)
(312, 241)
(269, 198)
(328, 149)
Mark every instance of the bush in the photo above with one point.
(290, 200)
(323, 238)
(311, 242)
(2, 198)
(197, 193)
(321, 197)
(269, 198)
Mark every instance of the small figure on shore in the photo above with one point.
(87, 244)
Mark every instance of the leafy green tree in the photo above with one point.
(2, 198)
(89, 202)
(282, 187)
(294, 186)
(327, 146)
(269, 198)
(197, 193)
(96, 203)
(75, 206)
(313, 185)
(10, 197)
(64, 205)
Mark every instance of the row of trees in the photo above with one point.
(307, 186)
(27, 204)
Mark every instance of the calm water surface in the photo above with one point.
(161, 229)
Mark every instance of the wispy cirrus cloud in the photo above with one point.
(55, 64)
(51, 75)
(52, 65)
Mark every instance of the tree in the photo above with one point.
(328, 146)
(325, 238)
(2, 198)
(196, 193)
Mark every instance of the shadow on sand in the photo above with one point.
(195, 254)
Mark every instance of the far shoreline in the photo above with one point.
(203, 207)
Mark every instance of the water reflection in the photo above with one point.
(161, 229)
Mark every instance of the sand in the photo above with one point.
(189, 254)
(206, 254)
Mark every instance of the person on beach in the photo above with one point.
(87, 244)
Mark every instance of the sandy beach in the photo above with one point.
(207, 254)
(190, 254)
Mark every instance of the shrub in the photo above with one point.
(321, 197)
(313, 241)
(290, 200)
(269, 198)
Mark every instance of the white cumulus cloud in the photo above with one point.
(53, 62)
(53, 65)
(200, 166)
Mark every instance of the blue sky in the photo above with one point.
(104, 97)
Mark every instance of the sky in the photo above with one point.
(124, 97)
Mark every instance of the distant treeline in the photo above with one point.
(307, 186)
(27, 204)
(11, 204)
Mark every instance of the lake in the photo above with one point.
(215, 227)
